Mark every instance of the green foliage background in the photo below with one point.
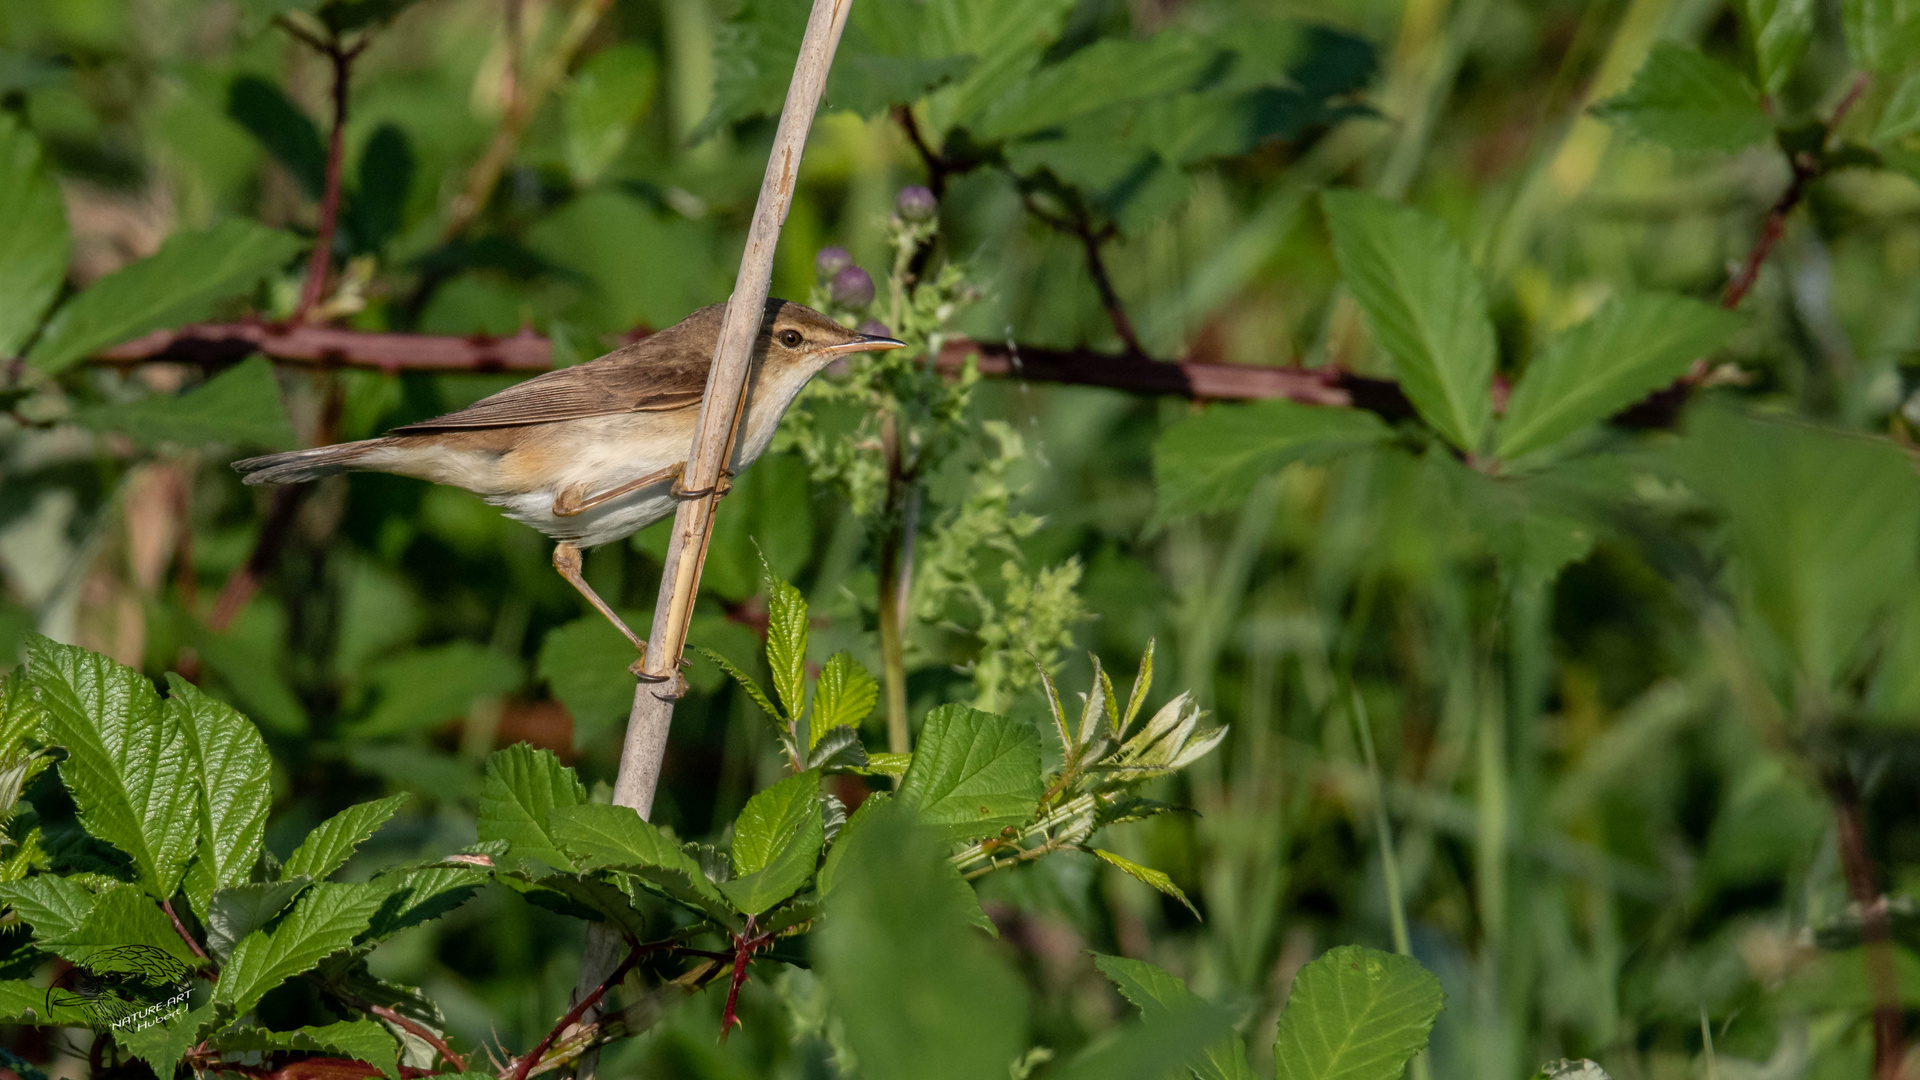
(1613, 680)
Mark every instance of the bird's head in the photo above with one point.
(802, 337)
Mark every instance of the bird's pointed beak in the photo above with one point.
(865, 343)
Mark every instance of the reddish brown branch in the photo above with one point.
(425, 1034)
(1876, 932)
(181, 929)
(525, 1064)
(320, 264)
(326, 346)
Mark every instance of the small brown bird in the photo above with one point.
(593, 453)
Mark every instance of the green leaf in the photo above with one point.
(239, 910)
(747, 683)
(1819, 561)
(379, 203)
(973, 774)
(1167, 1043)
(426, 687)
(776, 842)
(591, 898)
(608, 95)
(523, 786)
(287, 133)
(787, 644)
(239, 406)
(1684, 100)
(1154, 991)
(1779, 31)
(54, 906)
(163, 1045)
(33, 236)
(1209, 460)
(1426, 305)
(1148, 876)
(1882, 35)
(421, 895)
(922, 994)
(585, 663)
(182, 282)
(1631, 347)
(327, 847)
(1901, 117)
(616, 837)
(125, 932)
(360, 1040)
(843, 696)
(1532, 540)
(324, 921)
(866, 83)
(233, 774)
(126, 763)
(1108, 72)
(1355, 1014)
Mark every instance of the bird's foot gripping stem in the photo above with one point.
(720, 488)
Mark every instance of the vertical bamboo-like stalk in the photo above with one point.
(712, 451)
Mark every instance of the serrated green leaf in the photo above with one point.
(182, 282)
(1148, 876)
(1687, 101)
(616, 837)
(163, 1045)
(1424, 300)
(1532, 540)
(232, 773)
(1779, 31)
(125, 931)
(1108, 72)
(608, 95)
(1355, 1014)
(328, 846)
(1882, 35)
(776, 842)
(787, 644)
(360, 1040)
(239, 910)
(1209, 461)
(126, 758)
(1631, 347)
(602, 898)
(20, 713)
(24, 1002)
(239, 406)
(843, 696)
(1901, 117)
(420, 895)
(922, 995)
(523, 786)
(33, 236)
(325, 920)
(747, 683)
(53, 906)
(973, 773)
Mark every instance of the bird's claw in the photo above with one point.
(720, 487)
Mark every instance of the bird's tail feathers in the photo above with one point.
(298, 466)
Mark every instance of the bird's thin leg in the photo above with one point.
(566, 559)
(569, 503)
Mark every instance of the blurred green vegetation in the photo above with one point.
(1613, 697)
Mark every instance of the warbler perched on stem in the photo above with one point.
(593, 453)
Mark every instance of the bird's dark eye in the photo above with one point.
(790, 338)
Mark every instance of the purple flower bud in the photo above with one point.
(851, 288)
(916, 203)
(831, 261)
(875, 328)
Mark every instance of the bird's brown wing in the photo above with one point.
(632, 379)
